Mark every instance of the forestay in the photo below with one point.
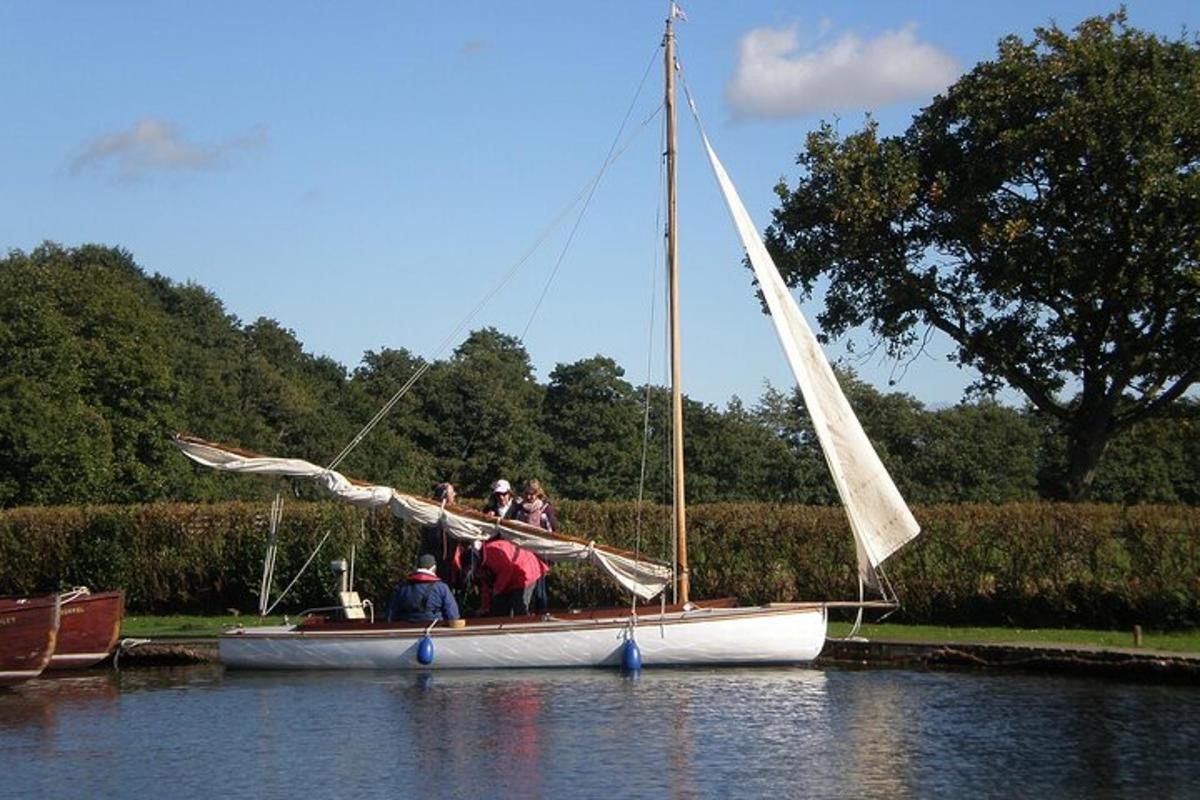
(879, 518)
(642, 577)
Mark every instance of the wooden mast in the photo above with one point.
(673, 280)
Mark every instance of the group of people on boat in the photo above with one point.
(511, 580)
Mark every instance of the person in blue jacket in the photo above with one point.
(422, 596)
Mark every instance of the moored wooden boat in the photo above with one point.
(89, 628)
(28, 630)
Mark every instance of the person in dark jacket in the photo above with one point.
(435, 541)
(422, 597)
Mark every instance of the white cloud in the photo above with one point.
(777, 77)
(154, 145)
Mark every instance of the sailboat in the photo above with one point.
(686, 633)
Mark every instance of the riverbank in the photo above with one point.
(1187, 641)
(1125, 663)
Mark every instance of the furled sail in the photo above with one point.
(640, 576)
(879, 518)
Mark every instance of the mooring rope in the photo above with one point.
(127, 644)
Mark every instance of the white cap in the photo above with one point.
(501, 486)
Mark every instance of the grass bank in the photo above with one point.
(187, 627)
(151, 627)
(1176, 641)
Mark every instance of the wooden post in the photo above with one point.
(1137, 635)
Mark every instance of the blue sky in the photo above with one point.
(365, 172)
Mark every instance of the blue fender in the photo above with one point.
(425, 650)
(631, 656)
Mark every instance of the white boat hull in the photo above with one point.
(759, 635)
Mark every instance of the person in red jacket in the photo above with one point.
(507, 576)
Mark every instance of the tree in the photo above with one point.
(57, 449)
(487, 407)
(100, 364)
(297, 396)
(732, 457)
(395, 452)
(891, 421)
(125, 373)
(805, 473)
(1044, 214)
(594, 421)
(1155, 461)
(976, 453)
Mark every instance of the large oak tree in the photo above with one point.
(1044, 213)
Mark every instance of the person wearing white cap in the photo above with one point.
(500, 503)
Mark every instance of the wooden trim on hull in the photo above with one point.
(756, 635)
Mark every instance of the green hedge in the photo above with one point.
(1027, 565)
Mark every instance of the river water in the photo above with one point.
(202, 732)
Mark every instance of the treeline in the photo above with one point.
(100, 363)
(1023, 564)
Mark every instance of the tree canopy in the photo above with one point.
(1044, 213)
(100, 364)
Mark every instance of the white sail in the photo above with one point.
(879, 518)
(642, 577)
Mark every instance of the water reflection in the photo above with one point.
(672, 733)
(35, 706)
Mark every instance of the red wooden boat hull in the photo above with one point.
(28, 631)
(88, 631)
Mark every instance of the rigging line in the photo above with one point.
(298, 574)
(608, 158)
(453, 335)
(584, 195)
